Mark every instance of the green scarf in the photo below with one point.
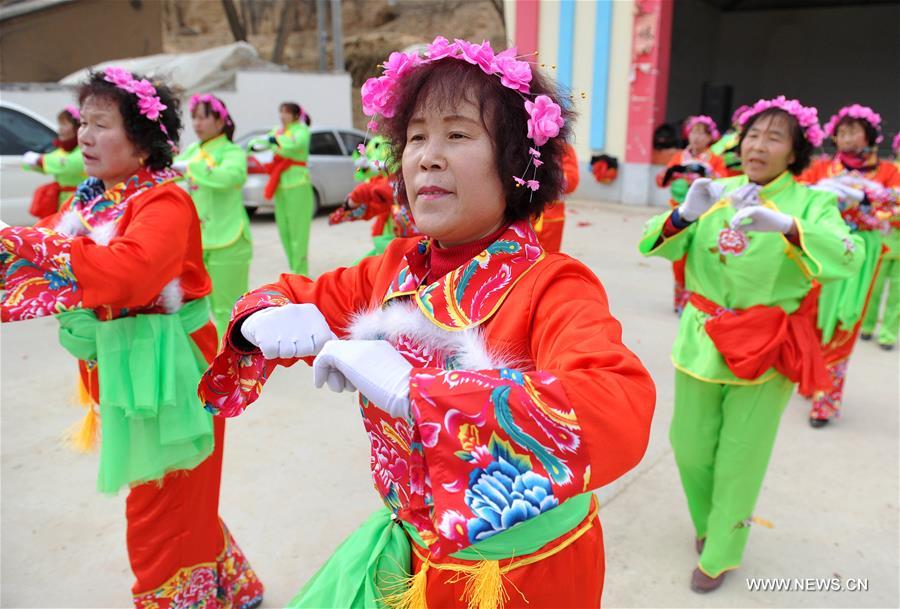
(148, 367)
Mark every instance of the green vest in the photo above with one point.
(216, 172)
(769, 270)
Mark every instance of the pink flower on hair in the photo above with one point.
(895, 145)
(141, 88)
(546, 119)
(399, 64)
(151, 107)
(118, 76)
(856, 111)
(377, 97)
(481, 55)
(73, 111)
(807, 116)
(702, 119)
(537, 162)
(533, 184)
(535, 153)
(440, 48)
(519, 181)
(514, 74)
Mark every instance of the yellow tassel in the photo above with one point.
(484, 586)
(412, 595)
(762, 522)
(82, 436)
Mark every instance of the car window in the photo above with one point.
(325, 143)
(351, 141)
(20, 133)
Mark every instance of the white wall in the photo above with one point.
(253, 103)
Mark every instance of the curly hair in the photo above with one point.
(446, 83)
(802, 147)
(140, 130)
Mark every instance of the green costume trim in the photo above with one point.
(148, 367)
(376, 558)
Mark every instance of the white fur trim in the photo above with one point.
(404, 318)
(103, 233)
(70, 224)
(172, 296)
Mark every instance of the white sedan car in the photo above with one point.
(21, 130)
(331, 168)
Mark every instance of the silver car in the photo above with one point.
(330, 165)
(22, 130)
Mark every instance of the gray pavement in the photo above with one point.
(296, 478)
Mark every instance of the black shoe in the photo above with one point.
(816, 423)
(886, 346)
(865, 336)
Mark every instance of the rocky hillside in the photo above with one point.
(372, 28)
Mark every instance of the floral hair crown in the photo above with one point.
(736, 115)
(72, 111)
(807, 116)
(215, 104)
(895, 144)
(545, 116)
(702, 119)
(149, 104)
(856, 111)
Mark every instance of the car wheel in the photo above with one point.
(251, 211)
(317, 202)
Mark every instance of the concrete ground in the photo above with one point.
(296, 478)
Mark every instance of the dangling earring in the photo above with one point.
(141, 161)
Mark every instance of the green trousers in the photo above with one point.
(294, 214)
(229, 269)
(722, 437)
(890, 319)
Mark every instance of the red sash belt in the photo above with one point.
(278, 165)
(753, 340)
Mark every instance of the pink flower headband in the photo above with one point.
(214, 103)
(857, 111)
(736, 115)
(702, 119)
(895, 145)
(545, 115)
(149, 104)
(73, 111)
(807, 116)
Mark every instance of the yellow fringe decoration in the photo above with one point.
(763, 522)
(82, 436)
(484, 586)
(412, 594)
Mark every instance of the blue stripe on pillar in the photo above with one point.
(566, 43)
(600, 87)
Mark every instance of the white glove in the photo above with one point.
(288, 331)
(180, 166)
(702, 195)
(31, 158)
(761, 219)
(844, 192)
(745, 196)
(374, 366)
